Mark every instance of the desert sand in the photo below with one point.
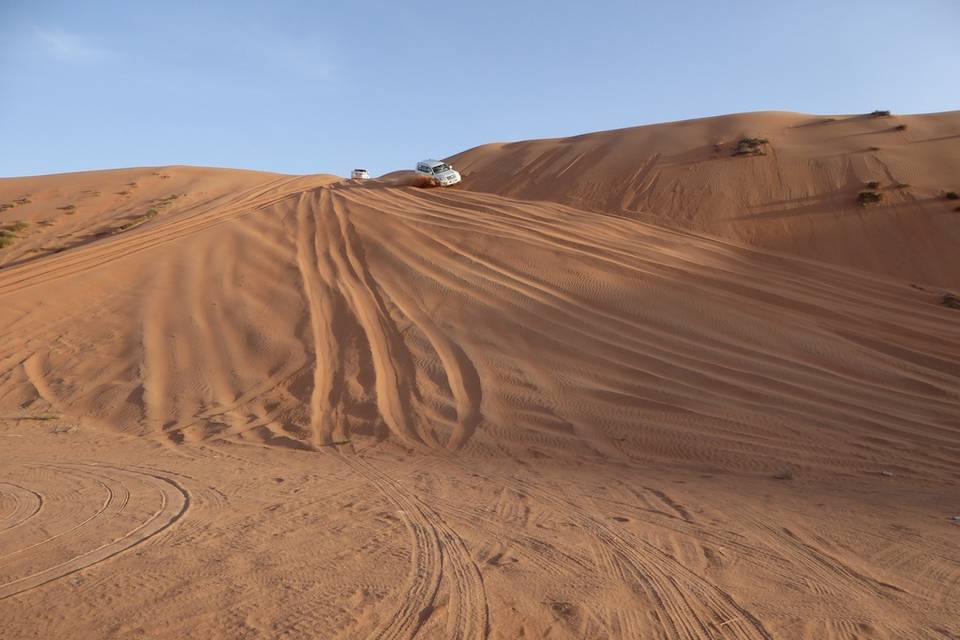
(623, 385)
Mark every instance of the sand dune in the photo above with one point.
(305, 407)
(799, 197)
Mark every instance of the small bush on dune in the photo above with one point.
(873, 184)
(903, 185)
(869, 197)
(6, 238)
(952, 195)
(951, 300)
(22, 201)
(750, 147)
(900, 127)
(17, 226)
(880, 113)
(136, 222)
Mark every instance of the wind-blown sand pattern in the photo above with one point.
(303, 407)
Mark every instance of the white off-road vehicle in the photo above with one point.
(359, 174)
(439, 171)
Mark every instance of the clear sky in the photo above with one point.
(309, 87)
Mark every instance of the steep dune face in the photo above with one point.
(306, 313)
(797, 192)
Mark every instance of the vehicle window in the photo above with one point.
(440, 168)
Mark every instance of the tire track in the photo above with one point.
(437, 552)
(685, 605)
(174, 503)
(24, 500)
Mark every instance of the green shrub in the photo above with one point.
(6, 238)
(880, 113)
(952, 195)
(19, 225)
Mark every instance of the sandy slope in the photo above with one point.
(800, 197)
(299, 407)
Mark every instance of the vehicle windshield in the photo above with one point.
(440, 168)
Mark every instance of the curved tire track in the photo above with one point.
(437, 552)
(24, 500)
(175, 501)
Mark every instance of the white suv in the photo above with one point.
(439, 171)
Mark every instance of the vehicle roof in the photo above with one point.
(431, 162)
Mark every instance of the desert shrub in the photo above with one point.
(951, 300)
(902, 185)
(136, 222)
(750, 147)
(6, 238)
(123, 193)
(17, 226)
(873, 148)
(6, 205)
(900, 127)
(22, 201)
(131, 184)
(880, 113)
(868, 197)
(873, 184)
(69, 207)
(951, 195)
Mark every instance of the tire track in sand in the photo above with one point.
(685, 605)
(24, 500)
(438, 552)
(174, 502)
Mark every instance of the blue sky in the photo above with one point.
(309, 87)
